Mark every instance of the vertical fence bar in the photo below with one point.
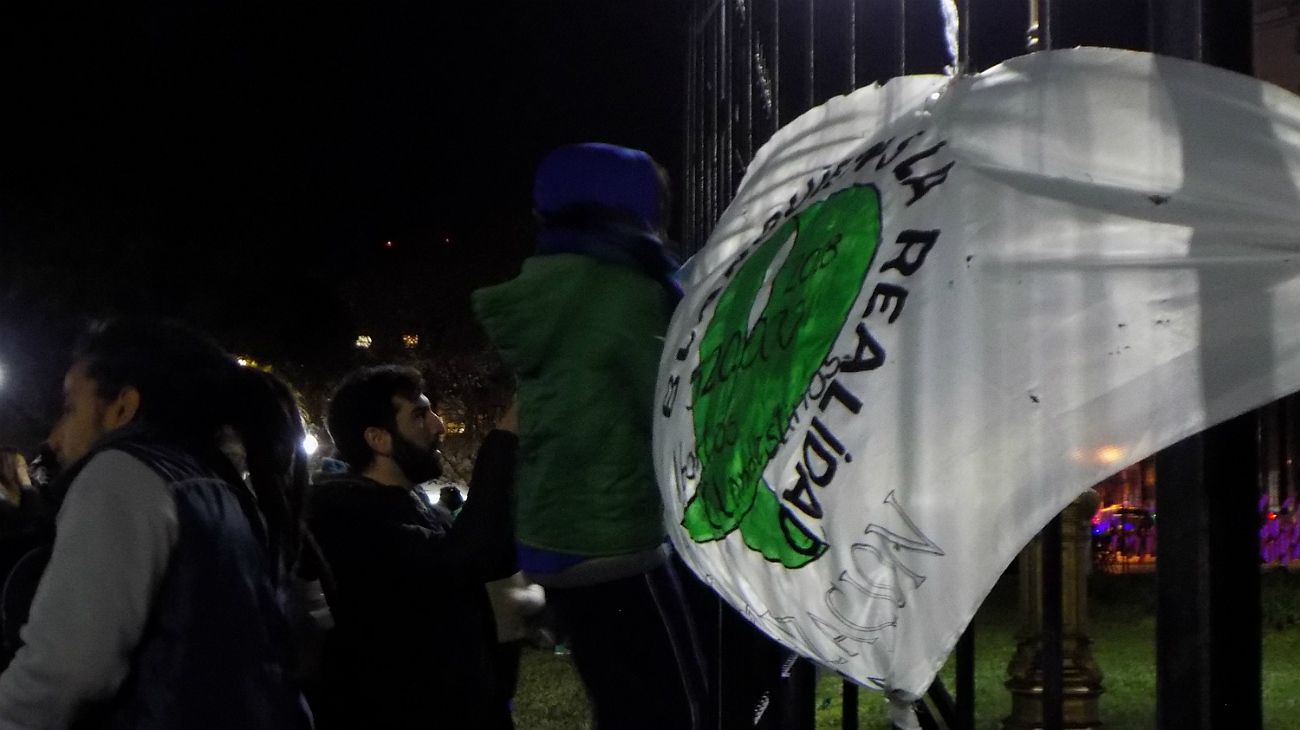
(965, 669)
(849, 706)
(701, 144)
(722, 698)
(963, 37)
(694, 135)
(853, 45)
(766, 50)
(966, 679)
(1044, 9)
(1040, 38)
(1289, 421)
(1053, 681)
(863, 19)
(776, 64)
(726, 90)
(1182, 611)
(1237, 640)
(798, 698)
(809, 101)
(1269, 451)
(1208, 621)
(705, 85)
(1208, 624)
(708, 120)
(687, 184)
(690, 187)
(710, 141)
(702, 91)
(792, 70)
(719, 99)
(900, 41)
(748, 20)
(1217, 32)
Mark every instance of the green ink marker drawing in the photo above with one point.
(755, 367)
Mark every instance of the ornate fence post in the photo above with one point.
(1081, 677)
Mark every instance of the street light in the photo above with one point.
(310, 444)
(1110, 454)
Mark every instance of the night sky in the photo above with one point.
(241, 165)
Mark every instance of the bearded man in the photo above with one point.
(414, 638)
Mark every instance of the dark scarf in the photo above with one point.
(610, 237)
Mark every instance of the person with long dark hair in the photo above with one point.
(161, 604)
(21, 508)
(13, 475)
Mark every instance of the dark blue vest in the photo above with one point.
(216, 652)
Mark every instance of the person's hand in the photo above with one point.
(509, 421)
(451, 498)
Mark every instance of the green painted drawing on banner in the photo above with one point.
(770, 333)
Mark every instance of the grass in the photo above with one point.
(549, 696)
(1122, 625)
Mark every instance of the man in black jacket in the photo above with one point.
(414, 636)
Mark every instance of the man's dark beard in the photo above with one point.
(418, 464)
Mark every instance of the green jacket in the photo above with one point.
(583, 338)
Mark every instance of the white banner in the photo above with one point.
(940, 309)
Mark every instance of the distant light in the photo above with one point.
(446, 240)
(1109, 454)
(411, 341)
(310, 444)
(1272, 515)
(388, 244)
(454, 428)
(364, 342)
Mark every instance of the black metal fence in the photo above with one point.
(753, 65)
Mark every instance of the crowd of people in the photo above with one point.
(171, 562)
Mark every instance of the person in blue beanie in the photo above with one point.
(582, 328)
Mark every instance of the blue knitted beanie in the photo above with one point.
(601, 174)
